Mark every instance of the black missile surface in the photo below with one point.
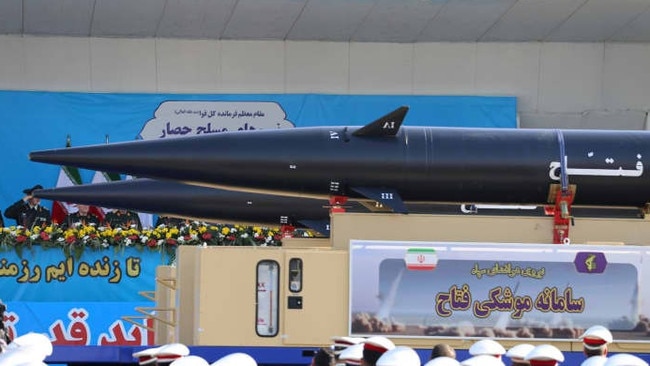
(201, 203)
(223, 206)
(386, 162)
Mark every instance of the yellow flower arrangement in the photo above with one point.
(75, 239)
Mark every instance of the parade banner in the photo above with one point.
(79, 300)
(438, 289)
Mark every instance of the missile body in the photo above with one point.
(392, 164)
(202, 203)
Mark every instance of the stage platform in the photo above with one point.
(265, 356)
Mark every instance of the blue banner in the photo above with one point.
(98, 275)
(79, 301)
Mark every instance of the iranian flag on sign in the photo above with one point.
(68, 176)
(421, 259)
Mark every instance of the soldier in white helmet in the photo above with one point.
(170, 352)
(594, 361)
(595, 341)
(487, 347)
(190, 361)
(28, 349)
(625, 359)
(399, 356)
(146, 356)
(483, 360)
(517, 354)
(340, 343)
(544, 355)
(373, 348)
(442, 361)
(235, 359)
(351, 356)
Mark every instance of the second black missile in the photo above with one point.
(201, 203)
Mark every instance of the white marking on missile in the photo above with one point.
(620, 172)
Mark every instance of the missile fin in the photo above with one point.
(386, 196)
(320, 226)
(387, 125)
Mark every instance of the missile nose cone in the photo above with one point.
(113, 157)
(59, 156)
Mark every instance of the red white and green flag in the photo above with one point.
(68, 176)
(102, 177)
(421, 259)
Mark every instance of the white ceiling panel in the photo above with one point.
(397, 21)
(204, 19)
(11, 17)
(127, 18)
(637, 30)
(531, 20)
(268, 19)
(64, 17)
(401, 21)
(464, 20)
(330, 20)
(598, 20)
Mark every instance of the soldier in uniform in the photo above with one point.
(82, 217)
(123, 218)
(595, 341)
(544, 355)
(169, 221)
(28, 211)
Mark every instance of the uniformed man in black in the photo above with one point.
(123, 218)
(170, 221)
(82, 217)
(28, 211)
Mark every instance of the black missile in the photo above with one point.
(202, 203)
(224, 206)
(386, 162)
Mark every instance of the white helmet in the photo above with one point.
(399, 356)
(235, 359)
(443, 361)
(487, 347)
(190, 361)
(544, 352)
(518, 353)
(352, 355)
(625, 359)
(596, 337)
(482, 360)
(594, 361)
